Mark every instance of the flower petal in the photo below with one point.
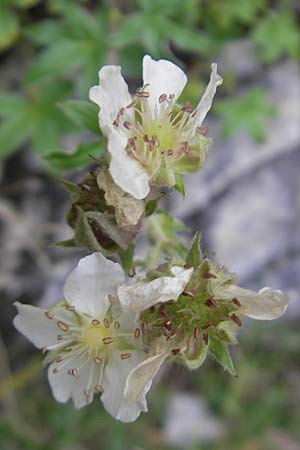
(162, 77)
(114, 380)
(126, 171)
(89, 284)
(267, 304)
(33, 323)
(65, 386)
(140, 379)
(111, 95)
(206, 101)
(144, 294)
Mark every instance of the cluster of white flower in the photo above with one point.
(110, 336)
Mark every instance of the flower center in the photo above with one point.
(96, 336)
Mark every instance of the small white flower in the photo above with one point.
(267, 304)
(93, 345)
(149, 136)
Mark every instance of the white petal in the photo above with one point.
(115, 375)
(65, 386)
(162, 77)
(125, 170)
(140, 379)
(206, 101)
(111, 95)
(33, 323)
(144, 294)
(267, 304)
(89, 284)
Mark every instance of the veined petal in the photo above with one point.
(162, 77)
(35, 325)
(115, 375)
(76, 387)
(139, 381)
(89, 284)
(126, 171)
(206, 101)
(267, 304)
(111, 95)
(144, 294)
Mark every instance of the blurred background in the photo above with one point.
(246, 201)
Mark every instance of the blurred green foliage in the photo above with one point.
(259, 409)
(66, 42)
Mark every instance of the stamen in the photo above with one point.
(127, 124)
(73, 372)
(211, 303)
(142, 94)
(202, 130)
(131, 105)
(99, 389)
(175, 351)
(87, 393)
(196, 332)
(117, 325)
(236, 319)
(144, 328)
(162, 98)
(111, 299)
(151, 309)
(207, 325)
(209, 275)
(205, 338)
(49, 315)
(137, 333)
(145, 138)
(116, 122)
(107, 340)
(106, 323)
(60, 337)
(59, 359)
(70, 308)
(98, 360)
(187, 108)
(125, 355)
(190, 294)
(170, 152)
(236, 302)
(95, 322)
(185, 147)
(168, 325)
(63, 326)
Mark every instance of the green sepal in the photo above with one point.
(194, 256)
(67, 243)
(127, 261)
(179, 185)
(221, 354)
(227, 332)
(195, 158)
(196, 354)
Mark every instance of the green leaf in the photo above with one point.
(14, 132)
(81, 157)
(82, 113)
(46, 32)
(69, 243)
(276, 35)
(9, 27)
(247, 113)
(194, 256)
(221, 353)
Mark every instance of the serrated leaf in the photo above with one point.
(82, 113)
(194, 256)
(221, 353)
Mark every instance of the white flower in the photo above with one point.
(267, 304)
(92, 344)
(139, 297)
(149, 136)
